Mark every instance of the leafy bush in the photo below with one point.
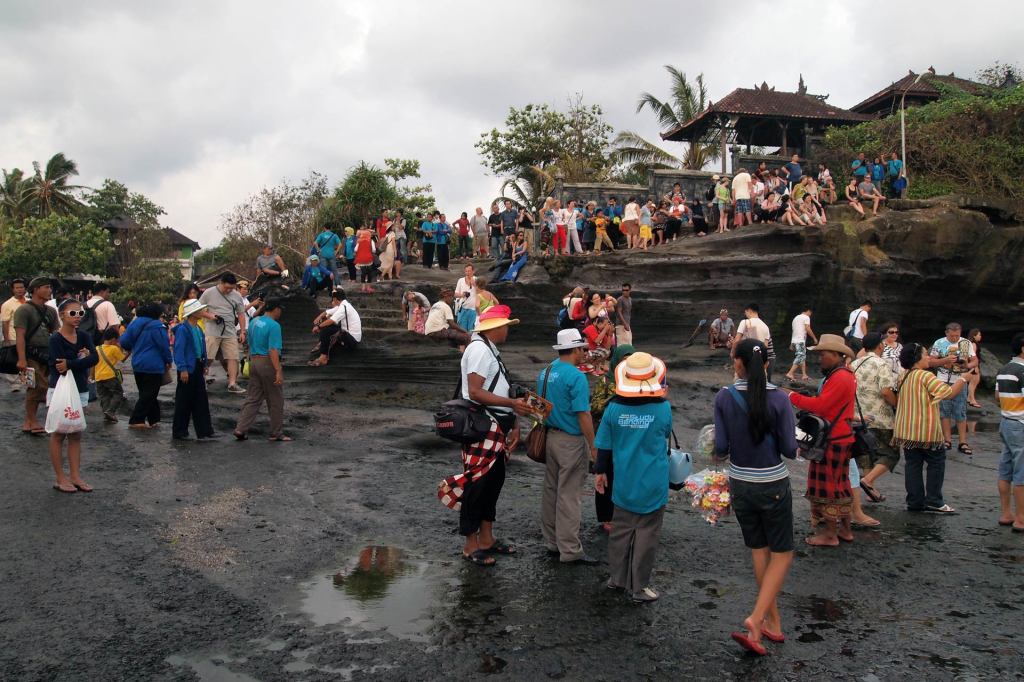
(972, 144)
(57, 246)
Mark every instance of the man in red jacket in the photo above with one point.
(828, 482)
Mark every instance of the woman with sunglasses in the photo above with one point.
(891, 347)
(75, 353)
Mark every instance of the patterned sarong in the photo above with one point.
(477, 460)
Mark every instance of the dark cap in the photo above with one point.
(39, 282)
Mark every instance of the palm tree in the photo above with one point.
(15, 204)
(530, 187)
(687, 100)
(49, 191)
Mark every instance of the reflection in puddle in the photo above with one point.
(209, 669)
(383, 589)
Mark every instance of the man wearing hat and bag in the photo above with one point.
(569, 448)
(632, 439)
(828, 481)
(33, 323)
(474, 492)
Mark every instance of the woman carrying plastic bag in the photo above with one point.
(71, 356)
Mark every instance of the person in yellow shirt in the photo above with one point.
(191, 291)
(601, 227)
(108, 376)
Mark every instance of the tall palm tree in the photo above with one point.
(531, 186)
(686, 101)
(50, 191)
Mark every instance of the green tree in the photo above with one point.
(359, 198)
(150, 281)
(15, 203)
(57, 246)
(285, 214)
(539, 144)
(636, 155)
(50, 190)
(113, 199)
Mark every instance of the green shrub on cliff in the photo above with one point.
(972, 144)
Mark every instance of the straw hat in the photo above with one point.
(494, 317)
(834, 343)
(641, 375)
(192, 307)
(568, 339)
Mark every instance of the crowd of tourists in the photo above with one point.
(880, 399)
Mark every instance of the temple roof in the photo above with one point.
(923, 89)
(764, 103)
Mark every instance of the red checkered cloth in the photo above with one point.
(477, 460)
(829, 480)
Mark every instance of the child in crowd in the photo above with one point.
(108, 376)
(601, 230)
(646, 233)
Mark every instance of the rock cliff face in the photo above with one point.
(922, 263)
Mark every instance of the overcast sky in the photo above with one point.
(200, 104)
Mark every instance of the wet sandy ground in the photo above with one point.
(331, 558)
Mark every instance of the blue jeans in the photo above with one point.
(1011, 461)
(496, 244)
(921, 493)
(331, 263)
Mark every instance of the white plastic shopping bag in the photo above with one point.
(65, 414)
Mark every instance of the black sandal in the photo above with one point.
(499, 547)
(480, 558)
(870, 491)
(966, 449)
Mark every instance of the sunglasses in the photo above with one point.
(893, 331)
(75, 313)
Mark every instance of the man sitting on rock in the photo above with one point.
(722, 332)
(339, 324)
(316, 277)
(441, 324)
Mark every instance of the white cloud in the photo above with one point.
(200, 104)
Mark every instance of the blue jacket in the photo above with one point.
(308, 274)
(147, 340)
(185, 350)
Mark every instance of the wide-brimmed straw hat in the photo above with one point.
(568, 339)
(192, 307)
(833, 343)
(641, 375)
(494, 317)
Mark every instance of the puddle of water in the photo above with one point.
(210, 669)
(382, 589)
(809, 637)
(822, 609)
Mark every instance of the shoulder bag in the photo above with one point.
(864, 442)
(537, 441)
(9, 354)
(106, 361)
(465, 421)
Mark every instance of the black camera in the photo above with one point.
(517, 391)
(219, 320)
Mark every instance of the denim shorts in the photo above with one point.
(954, 408)
(801, 353)
(1011, 462)
(764, 512)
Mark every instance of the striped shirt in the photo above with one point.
(917, 422)
(1010, 389)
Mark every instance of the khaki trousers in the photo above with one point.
(563, 487)
(631, 548)
(262, 389)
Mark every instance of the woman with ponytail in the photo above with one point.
(754, 429)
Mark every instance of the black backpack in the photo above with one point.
(88, 324)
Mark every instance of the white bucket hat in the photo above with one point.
(569, 339)
(192, 307)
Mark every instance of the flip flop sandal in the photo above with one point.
(965, 449)
(64, 490)
(1006, 523)
(500, 547)
(37, 432)
(281, 439)
(749, 644)
(870, 491)
(82, 488)
(480, 558)
(948, 445)
(776, 637)
(239, 436)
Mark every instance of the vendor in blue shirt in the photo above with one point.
(569, 448)
(266, 375)
(326, 245)
(350, 252)
(316, 277)
(633, 439)
(442, 235)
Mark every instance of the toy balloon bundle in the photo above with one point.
(710, 490)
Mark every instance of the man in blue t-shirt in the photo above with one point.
(895, 171)
(326, 245)
(570, 448)
(859, 167)
(266, 376)
(793, 171)
(429, 241)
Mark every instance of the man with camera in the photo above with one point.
(228, 309)
(953, 356)
(569, 448)
(33, 323)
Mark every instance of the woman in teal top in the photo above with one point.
(633, 436)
